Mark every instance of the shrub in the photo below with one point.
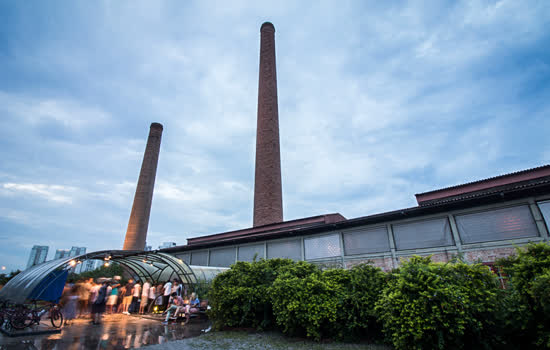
(527, 317)
(363, 291)
(239, 296)
(309, 305)
(430, 305)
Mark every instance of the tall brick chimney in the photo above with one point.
(268, 197)
(136, 233)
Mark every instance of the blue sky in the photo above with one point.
(377, 101)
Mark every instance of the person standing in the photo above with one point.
(136, 293)
(152, 297)
(112, 299)
(166, 296)
(177, 287)
(121, 293)
(93, 292)
(159, 296)
(127, 299)
(98, 306)
(144, 297)
(84, 297)
(70, 307)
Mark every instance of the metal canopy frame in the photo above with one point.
(151, 266)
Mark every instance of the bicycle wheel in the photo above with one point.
(56, 317)
(21, 319)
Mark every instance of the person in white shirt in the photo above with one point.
(93, 292)
(166, 294)
(135, 297)
(152, 297)
(144, 297)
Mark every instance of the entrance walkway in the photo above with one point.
(117, 332)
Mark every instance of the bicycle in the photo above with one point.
(24, 316)
(7, 312)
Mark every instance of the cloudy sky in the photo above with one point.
(377, 100)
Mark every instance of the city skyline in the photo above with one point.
(377, 102)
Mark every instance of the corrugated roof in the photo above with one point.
(501, 194)
(276, 227)
(485, 184)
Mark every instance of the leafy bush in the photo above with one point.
(421, 305)
(239, 297)
(527, 317)
(430, 305)
(363, 291)
(335, 303)
(308, 305)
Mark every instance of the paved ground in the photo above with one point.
(256, 341)
(125, 332)
(116, 332)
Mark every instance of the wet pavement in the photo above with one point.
(116, 332)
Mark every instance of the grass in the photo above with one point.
(232, 340)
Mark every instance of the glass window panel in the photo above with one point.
(222, 257)
(372, 240)
(287, 249)
(186, 257)
(247, 252)
(545, 210)
(199, 258)
(322, 247)
(495, 225)
(422, 234)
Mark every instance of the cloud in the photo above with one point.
(377, 101)
(68, 113)
(54, 193)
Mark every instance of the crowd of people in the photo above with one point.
(89, 298)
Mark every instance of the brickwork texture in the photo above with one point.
(268, 197)
(136, 234)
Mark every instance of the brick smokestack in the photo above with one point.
(268, 197)
(136, 234)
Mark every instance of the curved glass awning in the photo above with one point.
(154, 267)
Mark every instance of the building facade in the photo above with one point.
(38, 255)
(88, 265)
(61, 253)
(167, 245)
(75, 251)
(481, 221)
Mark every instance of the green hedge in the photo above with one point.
(421, 305)
(439, 306)
(307, 305)
(239, 297)
(527, 315)
(335, 303)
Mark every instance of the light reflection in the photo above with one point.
(116, 332)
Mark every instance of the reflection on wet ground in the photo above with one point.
(116, 332)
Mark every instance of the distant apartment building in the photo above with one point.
(89, 265)
(167, 245)
(38, 255)
(61, 253)
(77, 251)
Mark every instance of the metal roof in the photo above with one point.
(484, 184)
(496, 195)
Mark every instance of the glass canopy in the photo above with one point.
(154, 267)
